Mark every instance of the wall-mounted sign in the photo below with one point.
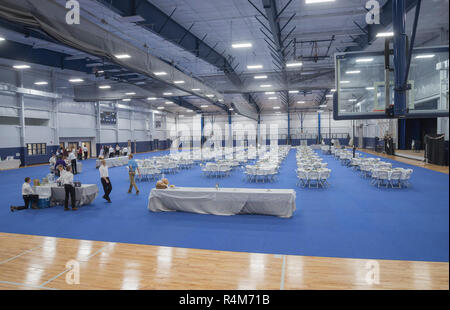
(108, 118)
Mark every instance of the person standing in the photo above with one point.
(52, 162)
(85, 151)
(66, 179)
(106, 151)
(27, 195)
(73, 162)
(59, 162)
(132, 168)
(117, 150)
(111, 151)
(125, 151)
(106, 182)
(80, 153)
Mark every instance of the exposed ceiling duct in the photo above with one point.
(88, 37)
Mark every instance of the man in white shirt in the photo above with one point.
(111, 151)
(73, 161)
(106, 182)
(66, 178)
(125, 151)
(85, 151)
(52, 162)
(27, 195)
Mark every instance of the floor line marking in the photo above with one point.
(55, 277)
(19, 255)
(27, 285)
(283, 268)
(68, 269)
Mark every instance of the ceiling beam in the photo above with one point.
(371, 30)
(158, 22)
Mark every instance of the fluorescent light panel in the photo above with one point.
(260, 77)
(424, 56)
(385, 34)
(364, 59)
(318, 1)
(167, 94)
(353, 72)
(122, 56)
(41, 83)
(269, 93)
(178, 82)
(159, 73)
(104, 87)
(21, 67)
(76, 80)
(265, 85)
(254, 67)
(241, 45)
(294, 64)
(293, 91)
(130, 94)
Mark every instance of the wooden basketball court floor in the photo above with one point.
(48, 263)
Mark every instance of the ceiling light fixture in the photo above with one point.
(167, 94)
(300, 102)
(241, 45)
(265, 85)
(276, 108)
(364, 59)
(152, 98)
(130, 94)
(76, 80)
(104, 87)
(41, 83)
(126, 99)
(21, 67)
(385, 34)
(294, 64)
(269, 93)
(204, 106)
(122, 56)
(293, 91)
(159, 73)
(178, 82)
(353, 72)
(254, 67)
(424, 56)
(195, 89)
(260, 77)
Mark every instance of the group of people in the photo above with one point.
(65, 179)
(65, 174)
(133, 168)
(64, 161)
(107, 151)
(80, 153)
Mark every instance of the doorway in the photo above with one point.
(416, 129)
(88, 145)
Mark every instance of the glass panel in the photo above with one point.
(429, 75)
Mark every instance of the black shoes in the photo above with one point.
(12, 208)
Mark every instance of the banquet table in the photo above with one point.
(113, 162)
(9, 164)
(84, 195)
(224, 201)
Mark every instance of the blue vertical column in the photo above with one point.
(288, 142)
(399, 17)
(230, 131)
(202, 125)
(318, 128)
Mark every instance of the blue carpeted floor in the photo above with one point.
(349, 219)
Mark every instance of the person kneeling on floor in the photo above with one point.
(28, 196)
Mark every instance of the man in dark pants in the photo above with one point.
(27, 195)
(66, 179)
(106, 182)
(73, 162)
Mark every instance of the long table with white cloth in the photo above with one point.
(9, 164)
(113, 162)
(224, 201)
(84, 195)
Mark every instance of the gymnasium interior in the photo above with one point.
(224, 145)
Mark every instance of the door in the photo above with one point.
(72, 146)
(88, 145)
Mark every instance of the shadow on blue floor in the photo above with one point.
(349, 219)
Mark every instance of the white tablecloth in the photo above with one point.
(114, 162)
(9, 164)
(84, 195)
(224, 201)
